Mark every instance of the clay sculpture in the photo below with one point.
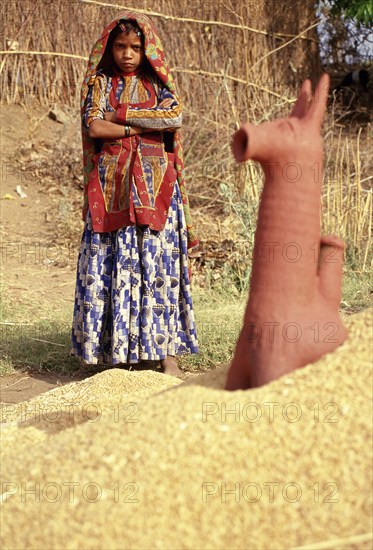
(292, 315)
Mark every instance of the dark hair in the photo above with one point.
(107, 64)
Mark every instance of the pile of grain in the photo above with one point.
(140, 460)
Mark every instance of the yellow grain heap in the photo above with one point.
(140, 460)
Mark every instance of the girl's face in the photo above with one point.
(128, 52)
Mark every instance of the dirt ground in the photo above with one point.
(19, 387)
(37, 268)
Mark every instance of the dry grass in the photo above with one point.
(347, 196)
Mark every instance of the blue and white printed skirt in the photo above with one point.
(132, 299)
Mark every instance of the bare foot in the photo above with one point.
(169, 366)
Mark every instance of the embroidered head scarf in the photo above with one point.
(154, 53)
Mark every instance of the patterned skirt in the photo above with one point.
(132, 299)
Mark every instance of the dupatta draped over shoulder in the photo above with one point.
(150, 209)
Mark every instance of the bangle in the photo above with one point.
(127, 130)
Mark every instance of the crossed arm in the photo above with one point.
(110, 128)
(104, 124)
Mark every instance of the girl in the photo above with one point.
(132, 298)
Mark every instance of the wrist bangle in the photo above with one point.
(127, 130)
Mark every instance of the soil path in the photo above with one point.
(25, 385)
(37, 271)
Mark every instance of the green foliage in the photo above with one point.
(356, 292)
(40, 346)
(237, 271)
(359, 10)
(219, 319)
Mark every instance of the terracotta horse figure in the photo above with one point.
(292, 315)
